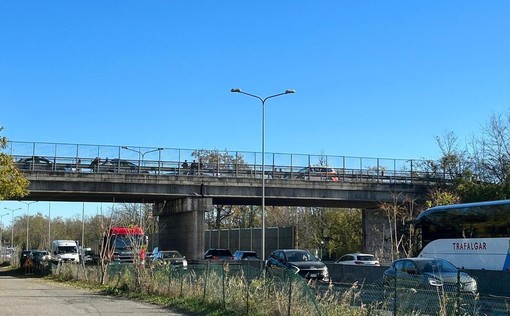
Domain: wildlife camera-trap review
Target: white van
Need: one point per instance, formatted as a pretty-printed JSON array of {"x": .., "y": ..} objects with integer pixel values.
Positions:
[{"x": 65, "y": 250}]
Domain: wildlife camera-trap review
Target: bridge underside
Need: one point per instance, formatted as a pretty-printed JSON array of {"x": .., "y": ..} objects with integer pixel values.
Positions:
[
  {"x": 57, "y": 186},
  {"x": 182, "y": 201}
]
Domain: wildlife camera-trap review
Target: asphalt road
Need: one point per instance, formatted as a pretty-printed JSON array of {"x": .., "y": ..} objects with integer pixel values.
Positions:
[{"x": 23, "y": 295}]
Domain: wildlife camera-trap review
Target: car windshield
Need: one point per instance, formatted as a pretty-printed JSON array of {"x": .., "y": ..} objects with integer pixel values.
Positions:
[
  {"x": 366, "y": 258},
  {"x": 436, "y": 266},
  {"x": 299, "y": 255},
  {"x": 67, "y": 249}
]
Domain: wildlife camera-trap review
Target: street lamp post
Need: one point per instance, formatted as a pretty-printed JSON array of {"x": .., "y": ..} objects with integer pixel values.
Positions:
[
  {"x": 49, "y": 225},
  {"x": 141, "y": 155},
  {"x": 2, "y": 230},
  {"x": 263, "y": 103},
  {"x": 12, "y": 223},
  {"x": 28, "y": 218}
]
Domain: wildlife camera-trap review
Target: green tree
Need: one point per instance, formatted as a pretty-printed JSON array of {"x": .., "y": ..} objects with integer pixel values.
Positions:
[
  {"x": 12, "y": 182},
  {"x": 343, "y": 231}
]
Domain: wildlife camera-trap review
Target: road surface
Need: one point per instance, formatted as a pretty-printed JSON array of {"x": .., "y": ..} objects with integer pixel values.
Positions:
[{"x": 20, "y": 295}]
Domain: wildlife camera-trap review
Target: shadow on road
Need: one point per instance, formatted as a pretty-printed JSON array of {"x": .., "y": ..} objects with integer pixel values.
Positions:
[{"x": 7, "y": 271}]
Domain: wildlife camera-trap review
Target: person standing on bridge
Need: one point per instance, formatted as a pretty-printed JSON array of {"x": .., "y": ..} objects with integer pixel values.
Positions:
[
  {"x": 95, "y": 163},
  {"x": 194, "y": 167},
  {"x": 185, "y": 167}
]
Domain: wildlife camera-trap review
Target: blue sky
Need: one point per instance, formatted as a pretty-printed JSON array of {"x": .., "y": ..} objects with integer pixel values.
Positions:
[{"x": 372, "y": 78}]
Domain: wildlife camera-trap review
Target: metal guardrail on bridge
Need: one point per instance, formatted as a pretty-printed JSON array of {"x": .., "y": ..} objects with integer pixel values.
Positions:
[{"x": 84, "y": 158}]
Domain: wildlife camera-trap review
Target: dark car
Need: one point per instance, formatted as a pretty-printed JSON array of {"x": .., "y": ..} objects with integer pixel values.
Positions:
[
  {"x": 428, "y": 273},
  {"x": 300, "y": 261},
  {"x": 40, "y": 256},
  {"x": 36, "y": 163},
  {"x": 218, "y": 254},
  {"x": 246, "y": 255},
  {"x": 25, "y": 254},
  {"x": 172, "y": 257}
]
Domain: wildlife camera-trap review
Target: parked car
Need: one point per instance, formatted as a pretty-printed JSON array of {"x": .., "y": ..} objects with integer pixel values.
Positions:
[
  {"x": 25, "y": 254},
  {"x": 218, "y": 254},
  {"x": 40, "y": 256},
  {"x": 358, "y": 259},
  {"x": 172, "y": 257},
  {"x": 246, "y": 255},
  {"x": 301, "y": 261},
  {"x": 428, "y": 273},
  {"x": 314, "y": 174}
]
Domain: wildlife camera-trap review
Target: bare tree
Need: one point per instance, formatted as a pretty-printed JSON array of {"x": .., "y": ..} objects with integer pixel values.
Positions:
[
  {"x": 491, "y": 150},
  {"x": 398, "y": 214}
]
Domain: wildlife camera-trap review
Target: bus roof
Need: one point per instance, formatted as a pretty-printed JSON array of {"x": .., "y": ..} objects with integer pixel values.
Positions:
[{"x": 444, "y": 208}]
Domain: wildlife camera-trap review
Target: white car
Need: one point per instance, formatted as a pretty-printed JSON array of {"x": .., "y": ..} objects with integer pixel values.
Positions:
[{"x": 358, "y": 259}]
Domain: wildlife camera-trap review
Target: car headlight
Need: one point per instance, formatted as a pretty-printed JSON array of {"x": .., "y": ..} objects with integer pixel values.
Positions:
[
  {"x": 185, "y": 263},
  {"x": 470, "y": 286}
]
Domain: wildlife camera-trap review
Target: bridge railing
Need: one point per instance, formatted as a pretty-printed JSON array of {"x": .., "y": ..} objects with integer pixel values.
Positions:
[{"x": 85, "y": 158}]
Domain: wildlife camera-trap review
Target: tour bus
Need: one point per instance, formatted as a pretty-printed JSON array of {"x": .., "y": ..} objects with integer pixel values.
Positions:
[{"x": 470, "y": 235}]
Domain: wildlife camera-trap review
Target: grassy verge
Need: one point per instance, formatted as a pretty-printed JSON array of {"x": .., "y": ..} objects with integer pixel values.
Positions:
[{"x": 230, "y": 290}]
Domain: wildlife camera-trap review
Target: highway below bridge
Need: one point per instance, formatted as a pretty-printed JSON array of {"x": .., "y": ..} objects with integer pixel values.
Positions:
[{"x": 182, "y": 192}]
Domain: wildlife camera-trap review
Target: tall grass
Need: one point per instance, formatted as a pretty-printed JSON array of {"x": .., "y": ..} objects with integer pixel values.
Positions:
[{"x": 226, "y": 289}]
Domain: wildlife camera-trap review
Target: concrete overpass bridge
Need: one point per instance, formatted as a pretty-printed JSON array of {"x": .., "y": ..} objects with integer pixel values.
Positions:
[{"x": 182, "y": 190}]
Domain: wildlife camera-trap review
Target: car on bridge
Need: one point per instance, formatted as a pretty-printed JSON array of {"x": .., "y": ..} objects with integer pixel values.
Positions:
[
  {"x": 115, "y": 165},
  {"x": 37, "y": 163},
  {"x": 314, "y": 173}
]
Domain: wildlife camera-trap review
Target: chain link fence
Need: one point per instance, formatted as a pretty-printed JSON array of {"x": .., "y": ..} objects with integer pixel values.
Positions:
[{"x": 244, "y": 289}]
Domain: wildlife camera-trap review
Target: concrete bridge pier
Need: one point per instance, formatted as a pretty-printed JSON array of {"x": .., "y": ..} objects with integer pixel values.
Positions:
[
  {"x": 182, "y": 225},
  {"x": 376, "y": 234}
]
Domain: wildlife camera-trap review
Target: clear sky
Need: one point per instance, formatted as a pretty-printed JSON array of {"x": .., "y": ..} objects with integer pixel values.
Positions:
[{"x": 372, "y": 78}]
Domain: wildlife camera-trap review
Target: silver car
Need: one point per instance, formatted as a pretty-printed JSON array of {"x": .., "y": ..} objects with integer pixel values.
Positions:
[{"x": 428, "y": 273}]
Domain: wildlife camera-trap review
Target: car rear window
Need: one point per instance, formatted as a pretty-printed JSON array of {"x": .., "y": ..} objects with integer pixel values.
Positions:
[{"x": 222, "y": 253}]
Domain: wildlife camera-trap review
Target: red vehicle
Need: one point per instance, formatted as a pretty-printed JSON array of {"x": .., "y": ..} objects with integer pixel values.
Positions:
[{"x": 125, "y": 245}]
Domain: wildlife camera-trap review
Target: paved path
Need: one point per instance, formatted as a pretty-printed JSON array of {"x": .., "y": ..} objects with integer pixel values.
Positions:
[{"x": 21, "y": 295}]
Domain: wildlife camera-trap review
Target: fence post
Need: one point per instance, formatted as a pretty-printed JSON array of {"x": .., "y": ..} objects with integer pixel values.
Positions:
[
  {"x": 181, "y": 276},
  {"x": 290, "y": 292},
  {"x": 223, "y": 282},
  {"x": 206, "y": 278},
  {"x": 247, "y": 283},
  {"x": 457, "y": 299},
  {"x": 395, "y": 293}
]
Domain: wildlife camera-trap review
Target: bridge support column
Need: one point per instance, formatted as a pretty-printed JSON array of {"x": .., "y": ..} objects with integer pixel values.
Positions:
[
  {"x": 376, "y": 234},
  {"x": 182, "y": 226}
]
